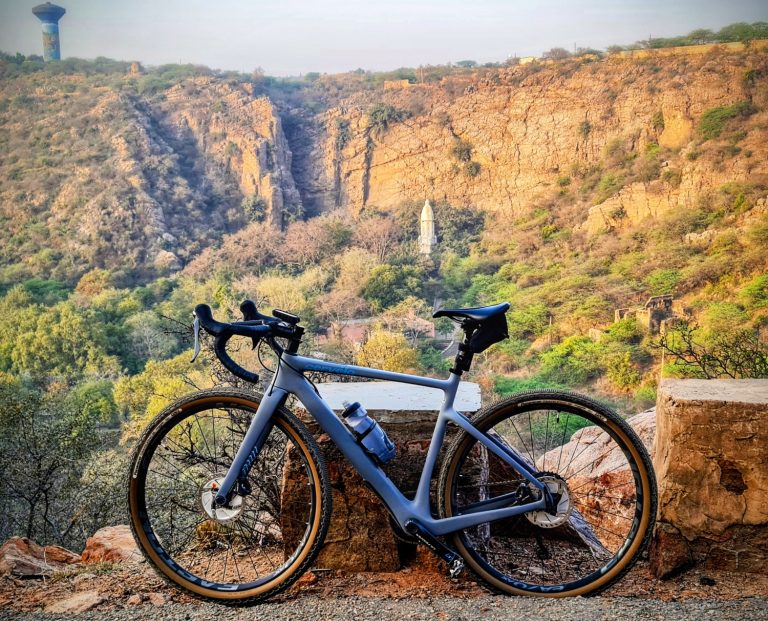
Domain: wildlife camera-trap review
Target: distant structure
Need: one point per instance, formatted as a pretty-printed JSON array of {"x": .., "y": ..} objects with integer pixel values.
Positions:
[
  {"x": 656, "y": 315},
  {"x": 50, "y": 14},
  {"x": 427, "y": 239},
  {"x": 390, "y": 85}
]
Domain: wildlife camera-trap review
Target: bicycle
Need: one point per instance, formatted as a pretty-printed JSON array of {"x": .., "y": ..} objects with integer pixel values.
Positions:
[{"x": 230, "y": 499}]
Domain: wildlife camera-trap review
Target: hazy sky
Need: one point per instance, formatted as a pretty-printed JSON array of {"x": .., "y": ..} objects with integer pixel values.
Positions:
[{"x": 289, "y": 37}]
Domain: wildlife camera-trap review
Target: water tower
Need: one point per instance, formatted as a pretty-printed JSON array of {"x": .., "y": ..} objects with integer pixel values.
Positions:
[{"x": 50, "y": 14}]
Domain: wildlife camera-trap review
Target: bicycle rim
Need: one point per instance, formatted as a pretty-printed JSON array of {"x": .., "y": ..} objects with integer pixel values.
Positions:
[
  {"x": 247, "y": 551},
  {"x": 598, "y": 468}
]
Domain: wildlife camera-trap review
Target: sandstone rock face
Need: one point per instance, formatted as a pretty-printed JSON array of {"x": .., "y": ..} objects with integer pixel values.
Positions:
[
  {"x": 242, "y": 133},
  {"x": 24, "y": 558},
  {"x": 711, "y": 460},
  {"x": 113, "y": 544},
  {"x": 527, "y": 129},
  {"x": 81, "y": 602}
]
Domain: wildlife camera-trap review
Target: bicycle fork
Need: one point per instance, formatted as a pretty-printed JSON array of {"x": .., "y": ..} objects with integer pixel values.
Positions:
[{"x": 249, "y": 449}]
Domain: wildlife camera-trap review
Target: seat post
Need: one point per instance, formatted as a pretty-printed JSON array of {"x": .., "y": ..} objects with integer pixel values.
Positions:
[{"x": 464, "y": 356}]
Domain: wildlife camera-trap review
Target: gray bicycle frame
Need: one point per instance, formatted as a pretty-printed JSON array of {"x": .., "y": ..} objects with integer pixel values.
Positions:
[{"x": 288, "y": 379}]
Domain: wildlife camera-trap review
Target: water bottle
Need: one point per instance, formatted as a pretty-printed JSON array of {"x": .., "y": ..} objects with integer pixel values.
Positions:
[{"x": 368, "y": 432}]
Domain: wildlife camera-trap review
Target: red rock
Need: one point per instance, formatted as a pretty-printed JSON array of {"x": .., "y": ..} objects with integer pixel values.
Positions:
[
  {"x": 134, "y": 600},
  {"x": 113, "y": 544},
  {"x": 21, "y": 557},
  {"x": 670, "y": 553},
  {"x": 156, "y": 599}
]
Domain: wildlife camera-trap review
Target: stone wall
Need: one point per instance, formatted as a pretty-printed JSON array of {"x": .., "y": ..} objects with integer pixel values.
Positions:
[
  {"x": 711, "y": 460},
  {"x": 361, "y": 537}
]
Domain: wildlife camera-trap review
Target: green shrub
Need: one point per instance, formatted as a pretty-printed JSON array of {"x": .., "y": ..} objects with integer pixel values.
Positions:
[
  {"x": 657, "y": 121},
  {"x": 574, "y": 361},
  {"x": 255, "y": 208},
  {"x": 609, "y": 184},
  {"x": 472, "y": 169},
  {"x": 713, "y": 120},
  {"x": 662, "y": 281},
  {"x": 585, "y": 128},
  {"x": 381, "y": 116},
  {"x": 755, "y": 293},
  {"x": 462, "y": 150},
  {"x": 622, "y": 372},
  {"x": 645, "y": 397},
  {"x": 506, "y": 386}
]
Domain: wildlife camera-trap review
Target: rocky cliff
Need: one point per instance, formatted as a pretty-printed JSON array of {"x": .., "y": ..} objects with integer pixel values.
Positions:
[
  {"x": 506, "y": 139},
  {"x": 121, "y": 172},
  {"x": 98, "y": 173}
]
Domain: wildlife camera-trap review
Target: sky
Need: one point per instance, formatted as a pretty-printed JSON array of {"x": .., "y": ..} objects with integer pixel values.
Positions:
[{"x": 292, "y": 37}]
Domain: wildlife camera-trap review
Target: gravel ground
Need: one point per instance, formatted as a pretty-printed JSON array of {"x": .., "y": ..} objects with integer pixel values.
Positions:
[{"x": 439, "y": 608}]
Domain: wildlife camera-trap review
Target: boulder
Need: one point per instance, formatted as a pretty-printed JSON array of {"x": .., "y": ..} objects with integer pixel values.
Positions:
[
  {"x": 711, "y": 460},
  {"x": 112, "y": 544},
  {"x": 24, "y": 558},
  {"x": 592, "y": 467},
  {"x": 80, "y": 602}
]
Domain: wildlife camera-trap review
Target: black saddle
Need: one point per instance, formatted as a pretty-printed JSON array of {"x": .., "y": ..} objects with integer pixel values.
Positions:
[{"x": 478, "y": 313}]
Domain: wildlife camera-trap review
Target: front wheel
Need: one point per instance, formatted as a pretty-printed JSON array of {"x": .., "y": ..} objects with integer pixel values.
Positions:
[
  {"x": 598, "y": 472},
  {"x": 273, "y": 527}
]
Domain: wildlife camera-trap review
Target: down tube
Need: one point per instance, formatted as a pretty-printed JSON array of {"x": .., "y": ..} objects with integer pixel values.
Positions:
[{"x": 398, "y": 504}]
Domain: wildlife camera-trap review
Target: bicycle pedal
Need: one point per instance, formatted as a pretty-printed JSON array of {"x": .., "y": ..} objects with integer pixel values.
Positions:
[{"x": 455, "y": 568}]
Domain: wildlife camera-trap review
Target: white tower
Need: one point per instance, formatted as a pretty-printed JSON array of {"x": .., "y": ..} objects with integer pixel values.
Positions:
[{"x": 427, "y": 239}]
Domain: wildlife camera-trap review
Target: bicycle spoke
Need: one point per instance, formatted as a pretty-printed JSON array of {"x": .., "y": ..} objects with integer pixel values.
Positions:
[{"x": 534, "y": 548}]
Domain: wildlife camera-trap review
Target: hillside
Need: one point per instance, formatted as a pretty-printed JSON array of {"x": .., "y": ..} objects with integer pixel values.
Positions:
[
  {"x": 571, "y": 188},
  {"x": 101, "y": 171},
  {"x": 502, "y": 139}
]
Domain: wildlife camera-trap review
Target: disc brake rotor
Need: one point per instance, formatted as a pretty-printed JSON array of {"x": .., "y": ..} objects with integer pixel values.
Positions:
[
  {"x": 557, "y": 486},
  {"x": 208, "y": 502}
]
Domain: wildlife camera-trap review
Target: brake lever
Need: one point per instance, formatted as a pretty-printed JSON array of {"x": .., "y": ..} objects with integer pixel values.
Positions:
[{"x": 196, "y": 330}]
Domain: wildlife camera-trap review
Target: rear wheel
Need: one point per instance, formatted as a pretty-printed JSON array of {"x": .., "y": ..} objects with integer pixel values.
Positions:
[
  {"x": 267, "y": 536},
  {"x": 596, "y": 468}
]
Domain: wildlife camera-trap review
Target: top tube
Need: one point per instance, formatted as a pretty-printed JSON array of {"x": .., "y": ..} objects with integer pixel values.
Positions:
[{"x": 302, "y": 363}]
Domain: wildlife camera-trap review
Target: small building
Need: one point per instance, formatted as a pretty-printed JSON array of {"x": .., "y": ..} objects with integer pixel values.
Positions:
[
  {"x": 390, "y": 85},
  {"x": 527, "y": 60},
  {"x": 654, "y": 315}
]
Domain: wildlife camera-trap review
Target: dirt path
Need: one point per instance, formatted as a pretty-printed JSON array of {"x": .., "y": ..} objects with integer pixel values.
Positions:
[{"x": 419, "y": 591}]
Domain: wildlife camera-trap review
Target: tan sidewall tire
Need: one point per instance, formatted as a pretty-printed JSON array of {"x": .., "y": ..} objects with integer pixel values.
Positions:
[
  {"x": 293, "y": 428},
  {"x": 486, "y": 419}
]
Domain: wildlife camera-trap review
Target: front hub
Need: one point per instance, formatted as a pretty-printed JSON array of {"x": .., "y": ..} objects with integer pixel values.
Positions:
[{"x": 207, "y": 496}]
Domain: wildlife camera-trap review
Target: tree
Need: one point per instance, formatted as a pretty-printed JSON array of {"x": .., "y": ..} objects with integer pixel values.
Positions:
[
  {"x": 557, "y": 53},
  {"x": 378, "y": 235},
  {"x": 255, "y": 208},
  {"x": 574, "y": 361},
  {"x": 701, "y": 35},
  {"x": 46, "y": 440},
  {"x": 64, "y": 343},
  {"x": 466, "y": 64},
  {"x": 458, "y": 227},
  {"x": 388, "y": 351},
  {"x": 390, "y": 284},
  {"x": 411, "y": 318},
  {"x": 736, "y": 354},
  {"x": 338, "y": 307},
  {"x": 354, "y": 269}
]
